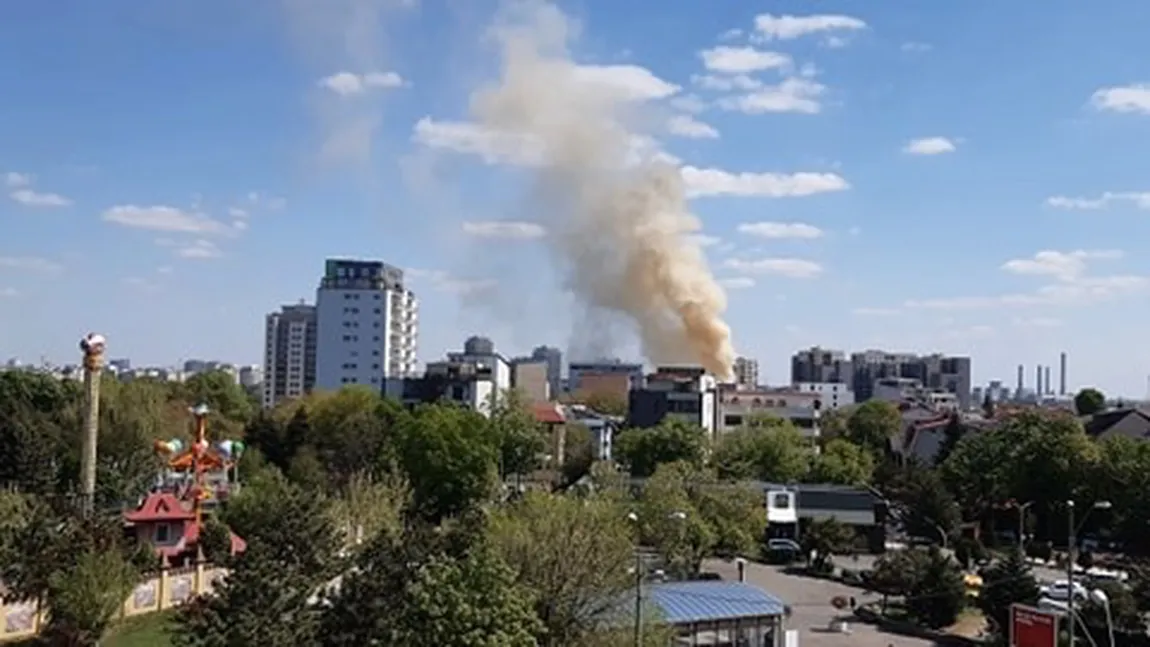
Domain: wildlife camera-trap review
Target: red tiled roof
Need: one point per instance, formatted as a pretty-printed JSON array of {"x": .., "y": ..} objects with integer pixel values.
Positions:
[
  {"x": 159, "y": 506},
  {"x": 192, "y": 535},
  {"x": 548, "y": 413}
]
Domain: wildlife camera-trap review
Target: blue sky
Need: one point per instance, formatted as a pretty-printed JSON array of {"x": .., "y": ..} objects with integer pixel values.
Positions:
[{"x": 974, "y": 172}]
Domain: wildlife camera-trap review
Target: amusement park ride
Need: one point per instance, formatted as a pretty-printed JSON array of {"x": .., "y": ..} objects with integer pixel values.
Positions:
[{"x": 196, "y": 477}]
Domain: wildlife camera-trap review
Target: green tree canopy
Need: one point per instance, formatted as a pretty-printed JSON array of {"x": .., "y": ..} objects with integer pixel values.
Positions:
[
  {"x": 1089, "y": 401},
  {"x": 873, "y": 424},
  {"x": 774, "y": 453},
  {"x": 842, "y": 462},
  {"x": 672, "y": 441}
]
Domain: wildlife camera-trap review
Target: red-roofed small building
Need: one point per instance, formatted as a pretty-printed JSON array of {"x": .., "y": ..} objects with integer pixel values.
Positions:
[{"x": 169, "y": 525}]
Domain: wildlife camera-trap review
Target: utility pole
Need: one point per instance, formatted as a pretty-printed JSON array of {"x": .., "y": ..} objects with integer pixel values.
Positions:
[
  {"x": 1071, "y": 544},
  {"x": 92, "y": 346}
]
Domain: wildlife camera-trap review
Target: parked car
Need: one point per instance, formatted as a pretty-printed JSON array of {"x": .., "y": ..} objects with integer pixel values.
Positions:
[{"x": 1061, "y": 590}]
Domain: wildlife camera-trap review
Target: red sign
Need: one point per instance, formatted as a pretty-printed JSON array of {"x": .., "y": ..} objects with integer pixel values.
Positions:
[{"x": 1030, "y": 627}]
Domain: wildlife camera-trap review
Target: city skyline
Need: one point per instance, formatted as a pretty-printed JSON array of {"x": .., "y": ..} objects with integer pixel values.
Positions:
[{"x": 857, "y": 183}]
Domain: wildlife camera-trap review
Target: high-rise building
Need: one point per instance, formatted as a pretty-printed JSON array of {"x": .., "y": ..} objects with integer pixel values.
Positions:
[
  {"x": 1062, "y": 374},
  {"x": 529, "y": 378},
  {"x": 746, "y": 372},
  {"x": 367, "y": 325},
  {"x": 289, "y": 353},
  {"x": 820, "y": 365},
  {"x": 554, "y": 359}
]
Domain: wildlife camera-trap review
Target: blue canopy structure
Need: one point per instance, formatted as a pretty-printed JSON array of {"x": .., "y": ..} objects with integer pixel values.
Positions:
[{"x": 684, "y": 603}]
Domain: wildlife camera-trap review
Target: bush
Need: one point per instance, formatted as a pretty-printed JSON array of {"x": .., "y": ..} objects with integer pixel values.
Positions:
[
  {"x": 851, "y": 578},
  {"x": 1086, "y": 559}
]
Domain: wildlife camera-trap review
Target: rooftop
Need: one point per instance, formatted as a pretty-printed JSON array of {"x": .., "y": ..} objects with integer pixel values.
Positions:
[{"x": 695, "y": 602}]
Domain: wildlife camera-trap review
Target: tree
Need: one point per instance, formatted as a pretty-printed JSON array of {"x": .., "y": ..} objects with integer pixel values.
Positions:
[
  {"x": 953, "y": 433},
  {"x": 778, "y": 453},
  {"x": 521, "y": 442},
  {"x": 937, "y": 596},
  {"x": 220, "y": 391},
  {"x": 606, "y": 403},
  {"x": 1123, "y": 609},
  {"x": 30, "y": 444},
  {"x": 842, "y": 462},
  {"x": 1089, "y": 401},
  {"x": 670, "y": 523},
  {"x": 823, "y": 538},
  {"x": 573, "y": 554},
  {"x": 873, "y": 425},
  {"x": 671, "y": 441},
  {"x": 733, "y": 511},
  {"x": 1007, "y": 582},
  {"x": 450, "y": 457},
  {"x": 417, "y": 586},
  {"x": 351, "y": 431},
  {"x": 833, "y": 423},
  {"x": 84, "y": 599},
  {"x": 925, "y": 505},
  {"x": 366, "y": 507},
  {"x": 292, "y": 548}
]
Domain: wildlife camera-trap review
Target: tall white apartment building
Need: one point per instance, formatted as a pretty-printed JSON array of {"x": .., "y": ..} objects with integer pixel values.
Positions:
[
  {"x": 746, "y": 372},
  {"x": 367, "y": 325},
  {"x": 289, "y": 353}
]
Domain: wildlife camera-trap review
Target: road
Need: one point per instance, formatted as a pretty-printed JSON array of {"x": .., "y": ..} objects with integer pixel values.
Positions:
[{"x": 810, "y": 601}]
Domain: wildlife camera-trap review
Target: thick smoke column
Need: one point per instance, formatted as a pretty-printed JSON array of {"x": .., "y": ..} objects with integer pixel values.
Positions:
[{"x": 618, "y": 219}]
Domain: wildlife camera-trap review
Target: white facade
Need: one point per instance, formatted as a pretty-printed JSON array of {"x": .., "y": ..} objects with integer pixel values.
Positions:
[
  {"x": 832, "y": 395},
  {"x": 746, "y": 372},
  {"x": 367, "y": 325},
  {"x": 290, "y": 339},
  {"x": 736, "y": 407}
]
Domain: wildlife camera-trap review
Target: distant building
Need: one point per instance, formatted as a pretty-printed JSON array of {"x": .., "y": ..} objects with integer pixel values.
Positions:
[
  {"x": 553, "y": 357},
  {"x": 366, "y": 324},
  {"x": 671, "y": 392},
  {"x": 289, "y": 353},
  {"x": 832, "y": 395},
  {"x": 475, "y": 380},
  {"x": 746, "y": 372},
  {"x": 529, "y": 378},
  {"x": 576, "y": 371},
  {"x": 610, "y": 386},
  {"x": 251, "y": 377},
  {"x": 800, "y": 408},
  {"x": 936, "y": 373}
]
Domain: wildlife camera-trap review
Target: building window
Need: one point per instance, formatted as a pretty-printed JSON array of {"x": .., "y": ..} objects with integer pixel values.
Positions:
[{"x": 163, "y": 533}]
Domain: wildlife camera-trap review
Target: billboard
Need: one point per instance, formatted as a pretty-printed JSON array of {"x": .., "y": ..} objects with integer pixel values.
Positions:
[{"x": 1031, "y": 627}]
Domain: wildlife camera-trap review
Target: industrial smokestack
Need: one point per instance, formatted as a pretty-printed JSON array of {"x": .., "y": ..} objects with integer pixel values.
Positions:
[
  {"x": 1046, "y": 381},
  {"x": 1038, "y": 380},
  {"x": 1018, "y": 389},
  {"x": 1062, "y": 374},
  {"x": 93, "y": 348}
]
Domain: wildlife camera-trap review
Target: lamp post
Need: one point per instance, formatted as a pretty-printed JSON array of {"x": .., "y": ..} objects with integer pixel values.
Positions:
[
  {"x": 1072, "y": 548},
  {"x": 634, "y": 518},
  {"x": 1099, "y": 597},
  {"x": 1022, "y": 525}
]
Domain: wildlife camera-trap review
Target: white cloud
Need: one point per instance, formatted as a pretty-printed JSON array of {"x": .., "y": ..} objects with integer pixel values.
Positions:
[
  {"x": 14, "y": 180},
  {"x": 788, "y": 27},
  {"x": 30, "y": 198},
  {"x": 737, "y": 283},
  {"x": 30, "y": 264},
  {"x": 689, "y": 103},
  {"x": 630, "y": 82},
  {"x": 726, "y": 83},
  {"x": 1064, "y": 266},
  {"x": 1036, "y": 322},
  {"x": 8, "y": 293},
  {"x": 445, "y": 282},
  {"x": 929, "y": 146},
  {"x": 792, "y": 95},
  {"x": 163, "y": 218},
  {"x": 795, "y": 268},
  {"x": 199, "y": 250},
  {"x": 715, "y": 182},
  {"x": 736, "y": 60},
  {"x": 916, "y": 47},
  {"x": 691, "y": 128},
  {"x": 236, "y": 212},
  {"x": 348, "y": 84},
  {"x": 1140, "y": 199},
  {"x": 1079, "y": 292},
  {"x": 504, "y": 229},
  {"x": 776, "y": 230},
  {"x": 1123, "y": 98},
  {"x": 876, "y": 312}
]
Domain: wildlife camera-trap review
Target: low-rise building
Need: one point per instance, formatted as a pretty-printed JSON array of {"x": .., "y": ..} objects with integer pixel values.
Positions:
[
  {"x": 832, "y": 395},
  {"x": 685, "y": 393},
  {"x": 801, "y": 408}
]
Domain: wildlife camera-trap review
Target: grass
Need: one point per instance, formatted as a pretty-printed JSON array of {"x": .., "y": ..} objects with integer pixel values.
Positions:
[{"x": 147, "y": 630}]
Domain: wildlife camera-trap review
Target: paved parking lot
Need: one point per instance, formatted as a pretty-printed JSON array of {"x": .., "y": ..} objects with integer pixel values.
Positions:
[
  {"x": 1043, "y": 574},
  {"x": 810, "y": 601}
]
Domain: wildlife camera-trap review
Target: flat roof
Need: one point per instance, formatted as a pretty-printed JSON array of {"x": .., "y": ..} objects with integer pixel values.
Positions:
[{"x": 709, "y": 601}]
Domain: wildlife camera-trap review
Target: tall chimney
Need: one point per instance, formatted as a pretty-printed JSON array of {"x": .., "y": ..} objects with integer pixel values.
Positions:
[
  {"x": 1018, "y": 389},
  {"x": 1046, "y": 381},
  {"x": 1038, "y": 380},
  {"x": 1062, "y": 374}
]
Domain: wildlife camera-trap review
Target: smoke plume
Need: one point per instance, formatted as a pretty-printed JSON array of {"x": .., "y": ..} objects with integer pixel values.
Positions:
[{"x": 617, "y": 216}]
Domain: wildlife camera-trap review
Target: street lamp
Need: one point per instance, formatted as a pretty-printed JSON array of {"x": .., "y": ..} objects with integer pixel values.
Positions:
[
  {"x": 1072, "y": 549},
  {"x": 1099, "y": 597},
  {"x": 634, "y": 518},
  {"x": 1022, "y": 525}
]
